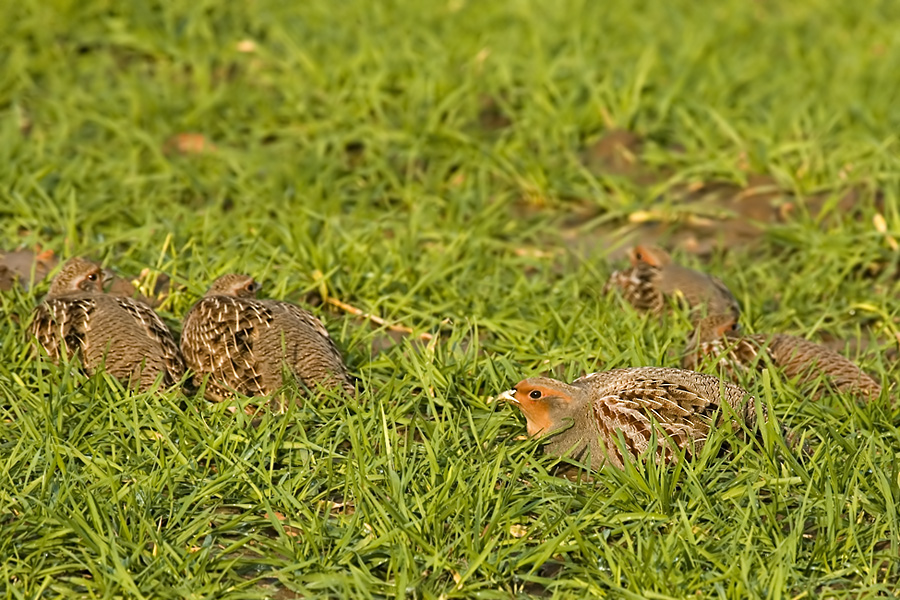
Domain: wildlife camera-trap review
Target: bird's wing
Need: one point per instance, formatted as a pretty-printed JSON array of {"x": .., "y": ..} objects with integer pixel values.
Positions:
[
  {"x": 731, "y": 355},
  {"x": 219, "y": 337},
  {"x": 638, "y": 286},
  {"x": 157, "y": 331},
  {"x": 61, "y": 325},
  {"x": 309, "y": 319},
  {"x": 637, "y": 412}
]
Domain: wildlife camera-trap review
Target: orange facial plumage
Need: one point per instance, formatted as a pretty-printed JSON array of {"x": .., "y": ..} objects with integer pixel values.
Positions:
[
  {"x": 649, "y": 255},
  {"x": 533, "y": 400}
]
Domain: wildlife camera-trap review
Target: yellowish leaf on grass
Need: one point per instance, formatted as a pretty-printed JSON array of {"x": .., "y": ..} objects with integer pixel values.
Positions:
[
  {"x": 518, "y": 531},
  {"x": 246, "y": 46},
  {"x": 881, "y": 227},
  {"x": 188, "y": 143}
]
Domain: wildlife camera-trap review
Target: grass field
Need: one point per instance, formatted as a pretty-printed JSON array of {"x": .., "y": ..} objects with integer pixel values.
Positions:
[{"x": 471, "y": 171}]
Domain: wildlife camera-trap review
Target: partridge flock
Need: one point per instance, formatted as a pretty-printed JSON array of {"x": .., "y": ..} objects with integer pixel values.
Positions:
[
  {"x": 234, "y": 343},
  {"x": 231, "y": 341},
  {"x": 601, "y": 417}
]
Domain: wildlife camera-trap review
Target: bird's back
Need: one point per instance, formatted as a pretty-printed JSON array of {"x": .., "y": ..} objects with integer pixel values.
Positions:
[
  {"x": 134, "y": 341},
  {"x": 698, "y": 289},
  {"x": 299, "y": 339},
  {"x": 799, "y": 357}
]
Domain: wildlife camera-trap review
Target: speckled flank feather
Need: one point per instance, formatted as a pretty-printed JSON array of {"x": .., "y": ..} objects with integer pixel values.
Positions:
[
  {"x": 160, "y": 346},
  {"x": 796, "y": 357},
  {"x": 218, "y": 339},
  {"x": 625, "y": 408},
  {"x": 681, "y": 404},
  {"x": 126, "y": 337},
  {"x": 638, "y": 287},
  {"x": 653, "y": 278},
  {"x": 244, "y": 344}
]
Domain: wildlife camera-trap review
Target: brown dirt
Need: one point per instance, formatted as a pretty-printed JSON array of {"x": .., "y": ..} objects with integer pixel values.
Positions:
[
  {"x": 16, "y": 266},
  {"x": 709, "y": 216}
]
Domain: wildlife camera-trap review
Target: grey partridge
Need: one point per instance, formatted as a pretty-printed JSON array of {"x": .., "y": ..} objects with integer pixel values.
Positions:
[
  {"x": 653, "y": 278},
  {"x": 244, "y": 344},
  {"x": 600, "y": 414},
  {"x": 718, "y": 337},
  {"x": 125, "y": 336}
]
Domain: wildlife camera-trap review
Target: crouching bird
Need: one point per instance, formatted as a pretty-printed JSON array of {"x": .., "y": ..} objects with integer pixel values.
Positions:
[
  {"x": 718, "y": 337},
  {"x": 123, "y": 335},
  {"x": 245, "y": 345},
  {"x": 654, "y": 276},
  {"x": 601, "y": 416}
]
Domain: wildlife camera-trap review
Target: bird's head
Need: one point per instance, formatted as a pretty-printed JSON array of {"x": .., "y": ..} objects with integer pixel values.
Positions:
[
  {"x": 653, "y": 256},
  {"x": 78, "y": 276},
  {"x": 546, "y": 403},
  {"x": 234, "y": 284}
]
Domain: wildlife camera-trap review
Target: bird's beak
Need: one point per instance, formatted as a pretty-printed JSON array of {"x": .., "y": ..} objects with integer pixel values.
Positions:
[
  {"x": 508, "y": 396},
  {"x": 108, "y": 275}
]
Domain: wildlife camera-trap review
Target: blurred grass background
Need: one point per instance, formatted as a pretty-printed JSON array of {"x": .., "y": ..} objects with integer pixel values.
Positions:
[{"x": 473, "y": 171}]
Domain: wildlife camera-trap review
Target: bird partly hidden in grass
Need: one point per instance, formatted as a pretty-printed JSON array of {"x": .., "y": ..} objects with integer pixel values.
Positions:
[
  {"x": 245, "y": 345},
  {"x": 121, "y": 334},
  {"x": 718, "y": 337},
  {"x": 603, "y": 416},
  {"x": 654, "y": 277}
]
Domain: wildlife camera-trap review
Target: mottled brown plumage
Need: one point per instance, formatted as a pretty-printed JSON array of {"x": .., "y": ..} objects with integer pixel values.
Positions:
[
  {"x": 718, "y": 337},
  {"x": 125, "y": 336},
  {"x": 653, "y": 278},
  {"x": 586, "y": 418},
  {"x": 244, "y": 344}
]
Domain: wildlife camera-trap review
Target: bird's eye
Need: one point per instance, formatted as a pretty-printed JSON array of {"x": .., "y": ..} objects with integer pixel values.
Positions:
[
  {"x": 92, "y": 277},
  {"x": 638, "y": 256},
  {"x": 734, "y": 327},
  {"x": 535, "y": 394}
]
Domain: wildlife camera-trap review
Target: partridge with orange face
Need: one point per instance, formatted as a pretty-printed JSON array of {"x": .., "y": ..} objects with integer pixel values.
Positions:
[
  {"x": 718, "y": 337},
  {"x": 124, "y": 335},
  {"x": 653, "y": 278},
  {"x": 599, "y": 415},
  {"x": 244, "y": 345}
]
